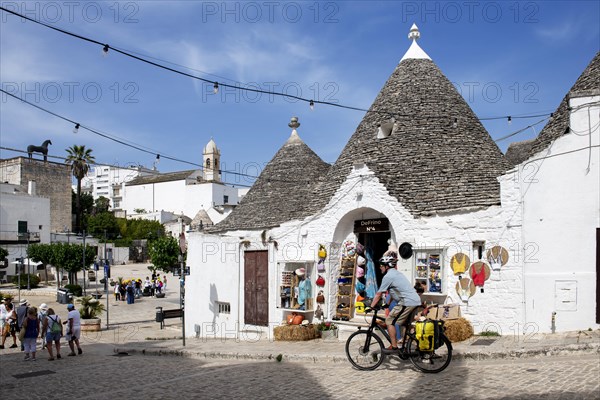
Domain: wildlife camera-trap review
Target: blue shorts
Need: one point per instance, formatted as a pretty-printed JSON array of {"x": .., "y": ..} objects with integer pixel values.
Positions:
[{"x": 52, "y": 337}]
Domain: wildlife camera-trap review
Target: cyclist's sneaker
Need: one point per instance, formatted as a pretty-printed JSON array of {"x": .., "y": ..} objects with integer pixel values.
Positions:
[{"x": 391, "y": 350}]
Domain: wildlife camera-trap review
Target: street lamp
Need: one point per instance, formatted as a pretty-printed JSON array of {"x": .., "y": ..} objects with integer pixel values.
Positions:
[
  {"x": 182, "y": 248},
  {"x": 28, "y": 272}
]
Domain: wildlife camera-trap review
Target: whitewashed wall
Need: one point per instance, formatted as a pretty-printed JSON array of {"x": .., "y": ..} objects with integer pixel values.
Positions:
[
  {"x": 168, "y": 196},
  {"x": 548, "y": 219},
  {"x": 219, "y": 270},
  {"x": 177, "y": 197},
  {"x": 561, "y": 212}
]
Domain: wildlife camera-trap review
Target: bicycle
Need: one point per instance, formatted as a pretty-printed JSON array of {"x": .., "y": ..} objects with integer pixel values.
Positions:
[{"x": 365, "y": 349}]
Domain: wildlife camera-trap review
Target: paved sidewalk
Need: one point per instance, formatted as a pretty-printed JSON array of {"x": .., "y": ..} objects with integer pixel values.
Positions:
[
  {"x": 133, "y": 330},
  {"x": 475, "y": 348}
]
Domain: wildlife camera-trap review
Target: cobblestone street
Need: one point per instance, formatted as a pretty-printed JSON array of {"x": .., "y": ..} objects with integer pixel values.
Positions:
[{"x": 101, "y": 374}]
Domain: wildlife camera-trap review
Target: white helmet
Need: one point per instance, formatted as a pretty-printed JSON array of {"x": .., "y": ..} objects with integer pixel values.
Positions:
[{"x": 389, "y": 259}]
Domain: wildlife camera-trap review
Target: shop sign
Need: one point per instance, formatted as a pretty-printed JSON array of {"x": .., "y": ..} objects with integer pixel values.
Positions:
[{"x": 372, "y": 225}]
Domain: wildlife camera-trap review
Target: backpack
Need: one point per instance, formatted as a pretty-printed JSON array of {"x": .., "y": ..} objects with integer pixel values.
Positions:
[
  {"x": 429, "y": 334},
  {"x": 55, "y": 328}
]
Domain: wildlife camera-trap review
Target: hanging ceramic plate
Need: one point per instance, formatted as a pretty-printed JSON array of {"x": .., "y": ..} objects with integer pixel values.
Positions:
[
  {"x": 465, "y": 288},
  {"x": 497, "y": 256},
  {"x": 460, "y": 263}
]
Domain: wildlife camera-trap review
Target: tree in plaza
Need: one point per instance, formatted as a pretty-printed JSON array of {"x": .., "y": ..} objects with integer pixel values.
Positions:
[
  {"x": 164, "y": 253},
  {"x": 101, "y": 223},
  {"x": 67, "y": 256},
  {"x": 3, "y": 253},
  {"x": 79, "y": 158},
  {"x": 102, "y": 204}
]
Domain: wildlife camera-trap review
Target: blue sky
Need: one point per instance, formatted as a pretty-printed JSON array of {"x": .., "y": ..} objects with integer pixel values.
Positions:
[{"x": 506, "y": 58}]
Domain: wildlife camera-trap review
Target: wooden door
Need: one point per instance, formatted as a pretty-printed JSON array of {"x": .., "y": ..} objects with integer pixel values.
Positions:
[{"x": 256, "y": 288}]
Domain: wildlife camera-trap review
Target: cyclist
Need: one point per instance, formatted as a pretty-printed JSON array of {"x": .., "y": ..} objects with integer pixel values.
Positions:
[{"x": 401, "y": 291}]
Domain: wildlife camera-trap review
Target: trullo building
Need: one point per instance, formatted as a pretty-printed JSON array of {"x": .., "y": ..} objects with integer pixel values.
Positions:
[{"x": 515, "y": 247}]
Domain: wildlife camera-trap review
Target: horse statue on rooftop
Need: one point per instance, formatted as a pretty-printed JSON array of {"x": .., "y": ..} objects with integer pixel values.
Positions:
[{"x": 43, "y": 149}]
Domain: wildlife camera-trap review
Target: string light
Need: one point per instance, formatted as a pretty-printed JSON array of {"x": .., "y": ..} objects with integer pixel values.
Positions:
[
  {"x": 76, "y": 128},
  {"x": 105, "y": 50},
  {"x": 509, "y": 120},
  {"x": 312, "y": 105},
  {"x": 455, "y": 123},
  {"x": 157, "y": 157},
  {"x": 216, "y": 85},
  {"x": 216, "y": 88}
]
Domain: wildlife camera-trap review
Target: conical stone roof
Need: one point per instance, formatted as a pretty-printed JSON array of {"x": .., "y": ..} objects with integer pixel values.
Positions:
[
  {"x": 282, "y": 191},
  {"x": 588, "y": 83},
  {"x": 439, "y": 158}
]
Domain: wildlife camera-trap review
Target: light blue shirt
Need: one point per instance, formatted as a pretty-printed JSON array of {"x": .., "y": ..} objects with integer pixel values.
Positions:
[
  {"x": 303, "y": 291},
  {"x": 400, "y": 288}
]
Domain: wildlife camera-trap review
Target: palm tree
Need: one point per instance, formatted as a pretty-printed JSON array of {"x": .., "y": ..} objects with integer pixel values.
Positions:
[{"x": 79, "y": 159}]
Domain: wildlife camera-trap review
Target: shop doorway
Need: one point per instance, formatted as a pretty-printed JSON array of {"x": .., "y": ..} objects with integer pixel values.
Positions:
[
  {"x": 376, "y": 243},
  {"x": 256, "y": 288}
]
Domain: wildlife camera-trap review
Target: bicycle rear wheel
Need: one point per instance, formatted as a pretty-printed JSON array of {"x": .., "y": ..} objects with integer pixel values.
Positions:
[
  {"x": 430, "y": 361},
  {"x": 364, "y": 350}
]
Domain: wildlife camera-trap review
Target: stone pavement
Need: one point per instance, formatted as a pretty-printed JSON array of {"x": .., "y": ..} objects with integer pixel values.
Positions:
[{"x": 132, "y": 329}]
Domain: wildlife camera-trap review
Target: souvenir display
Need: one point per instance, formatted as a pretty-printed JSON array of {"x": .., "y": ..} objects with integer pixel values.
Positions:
[
  {"x": 428, "y": 271},
  {"x": 465, "y": 288},
  {"x": 479, "y": 273},
  {"x": 459, "y": 264},
  {"x": 322, "y": 252},
  {"x": 497, "y": 256}
]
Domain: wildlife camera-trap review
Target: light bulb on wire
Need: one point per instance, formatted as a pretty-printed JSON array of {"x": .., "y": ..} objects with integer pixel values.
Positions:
[
  {"x": 105, "y": 50},
  {"x": 216, "y": 88},
  {"x": 455, "y": 123},
  {"x": 509, "y": 120},
  {"x": 76, "y": 129},
  {"x": 312, "y": 105}
]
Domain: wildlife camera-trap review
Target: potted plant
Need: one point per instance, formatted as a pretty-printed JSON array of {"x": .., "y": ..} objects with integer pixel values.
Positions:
[
  {"x": 328, "y": 330},
  {"x": 90, "y": 309}
]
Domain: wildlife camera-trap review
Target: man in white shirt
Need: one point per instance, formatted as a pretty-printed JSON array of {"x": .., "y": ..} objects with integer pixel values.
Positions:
[{"x": 73, "y": 323}]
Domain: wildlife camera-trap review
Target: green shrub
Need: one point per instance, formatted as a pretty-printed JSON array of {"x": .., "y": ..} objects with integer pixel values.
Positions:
[
  {"x": 75, "y": 289},
  {"x": 34, "y": 280},
  {"x": 489, "y": 333},
  {"x": 6, "y": 296}
]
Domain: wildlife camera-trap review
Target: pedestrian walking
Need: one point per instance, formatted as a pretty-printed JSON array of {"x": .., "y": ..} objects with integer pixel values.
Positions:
[
  {"x": 122, "y": 291},
  {"x": 117, "y": 292},
  {"x": 10, "y": 326},
  {"x": 130, "y": 293},
  {"x": 73, "y": 323},
  {"x": 31, "y": 325},
  {"x": 164, "y": 282},
  {"x": 52, "y": 330},
  {"x": 21, "y": 311},
  {"x": 42, "y": 310}
]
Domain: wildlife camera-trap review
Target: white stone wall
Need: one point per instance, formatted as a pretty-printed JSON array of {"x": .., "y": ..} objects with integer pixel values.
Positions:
[
  {"x": 547, "y": 221},
  {"x": 168, "y": 196},
  {"x": 560, "y": 188},
  {"x": 22, "y": 207},
  {"x": 177, "y": 197},
  {"x": 222, "y": 271}
]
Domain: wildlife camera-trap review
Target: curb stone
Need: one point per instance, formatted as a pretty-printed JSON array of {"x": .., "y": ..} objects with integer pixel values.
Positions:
[{"x": 588, "y": 348}]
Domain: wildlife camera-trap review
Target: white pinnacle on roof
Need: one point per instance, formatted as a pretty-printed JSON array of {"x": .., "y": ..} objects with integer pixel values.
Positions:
[
  {"x": 415, "y": 51},
  {"x": 294, "y": 124}
]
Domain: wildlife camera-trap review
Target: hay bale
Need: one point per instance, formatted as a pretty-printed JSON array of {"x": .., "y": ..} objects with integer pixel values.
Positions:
[
  {"x": 295, "y": 332},
  {"x": 458, "y": 329}
]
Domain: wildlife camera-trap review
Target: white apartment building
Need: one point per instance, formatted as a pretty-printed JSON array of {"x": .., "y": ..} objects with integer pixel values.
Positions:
[{"x": 109, "y": 181}]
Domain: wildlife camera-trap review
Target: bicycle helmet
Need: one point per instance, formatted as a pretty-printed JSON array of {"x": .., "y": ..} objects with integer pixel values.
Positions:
[{"x": 389, "y": 259}]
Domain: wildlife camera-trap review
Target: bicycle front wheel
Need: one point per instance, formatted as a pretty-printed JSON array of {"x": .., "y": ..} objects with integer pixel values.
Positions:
[
  {"x": 364, "y": 350},
  {"x": 430, "y": 361}
]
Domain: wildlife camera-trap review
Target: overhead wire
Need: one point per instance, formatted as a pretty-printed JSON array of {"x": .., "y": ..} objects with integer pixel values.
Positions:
[
  {"x": 106, "y": 47},
  {"x": 137, "y": 147}
]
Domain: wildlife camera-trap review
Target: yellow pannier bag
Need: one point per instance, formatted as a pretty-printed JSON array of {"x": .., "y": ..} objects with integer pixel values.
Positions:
[{"x": 429, "y": 333}]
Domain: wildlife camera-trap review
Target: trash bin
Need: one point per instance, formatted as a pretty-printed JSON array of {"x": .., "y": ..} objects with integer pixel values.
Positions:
[
  {"x": 63, "y": 296},
  {"x": 159, "y": 314}
]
